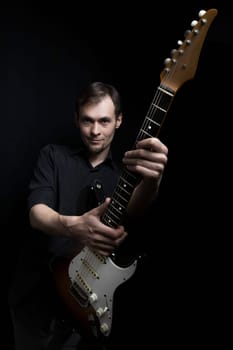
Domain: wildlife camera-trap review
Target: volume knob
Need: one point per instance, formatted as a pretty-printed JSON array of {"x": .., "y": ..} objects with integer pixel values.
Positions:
[{"x": 93, "y": 297}]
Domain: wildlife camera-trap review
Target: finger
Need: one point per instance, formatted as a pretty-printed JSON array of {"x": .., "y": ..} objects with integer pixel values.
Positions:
[
  {"x": 145, "y": 173},
  {"x": 107, "y": 235},
  {"x": 145, "y": 155},
  {"x": 153, "y": 144},
  {"x": 104, "y": 249},
  {"x": 138, "y": 164},
  {"x": 102, "y": 207}
]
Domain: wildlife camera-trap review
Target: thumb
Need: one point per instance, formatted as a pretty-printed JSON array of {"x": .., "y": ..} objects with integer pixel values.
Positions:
[{"x": 102, "y": 207}]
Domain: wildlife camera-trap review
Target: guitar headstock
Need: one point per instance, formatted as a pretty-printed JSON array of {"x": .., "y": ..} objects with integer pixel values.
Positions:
[{"x": 182, "y": 65}]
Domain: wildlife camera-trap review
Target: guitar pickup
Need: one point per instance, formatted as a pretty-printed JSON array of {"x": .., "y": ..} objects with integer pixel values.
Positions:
[{"x": 79, "y": 294}]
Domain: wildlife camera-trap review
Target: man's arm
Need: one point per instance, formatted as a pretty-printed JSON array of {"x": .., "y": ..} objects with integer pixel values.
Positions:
[
  {"x": 47, "y": 220},
  {"x": 86, "y": 229}
]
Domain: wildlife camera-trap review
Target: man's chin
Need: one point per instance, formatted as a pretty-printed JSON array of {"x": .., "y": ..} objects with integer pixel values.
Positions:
[{"x": 95, "y": 149}]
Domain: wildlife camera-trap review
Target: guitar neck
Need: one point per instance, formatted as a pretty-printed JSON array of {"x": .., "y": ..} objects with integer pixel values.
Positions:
[
  {"x": 180, "y": 68},
  {"x": 156, "y": 113},
  {"x": 127, "y": 182}
]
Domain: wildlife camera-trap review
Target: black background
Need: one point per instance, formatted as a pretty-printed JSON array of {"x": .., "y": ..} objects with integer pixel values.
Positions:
[{"x": 47, "y": 54}]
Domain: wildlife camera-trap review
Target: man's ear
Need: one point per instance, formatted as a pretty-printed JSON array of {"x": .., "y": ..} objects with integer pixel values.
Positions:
[
  {"x": 76, "y": 119},
  {"x": 119, "y": 120}
]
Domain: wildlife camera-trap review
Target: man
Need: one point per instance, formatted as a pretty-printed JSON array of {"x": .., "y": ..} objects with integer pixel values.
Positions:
[{"x": 66, "y": 205}]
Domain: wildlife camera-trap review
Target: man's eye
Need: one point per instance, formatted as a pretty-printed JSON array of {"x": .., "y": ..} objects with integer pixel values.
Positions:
[{"x": 86, "y": 121}]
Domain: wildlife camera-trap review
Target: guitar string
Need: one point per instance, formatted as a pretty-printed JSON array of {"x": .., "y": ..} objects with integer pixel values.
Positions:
[
  {"x": 90, "y": 256},
  {"x": 90, "y": 261},
  {"x": 148, "y": 123},
  {"x": 150, "y": 118},
  {"x": 153, "y": 118}
]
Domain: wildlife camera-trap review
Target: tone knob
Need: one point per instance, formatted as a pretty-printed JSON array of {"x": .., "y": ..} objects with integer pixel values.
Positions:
[
  {"x": 104, "y": 328},
  {"x": 100, "y": 311}
]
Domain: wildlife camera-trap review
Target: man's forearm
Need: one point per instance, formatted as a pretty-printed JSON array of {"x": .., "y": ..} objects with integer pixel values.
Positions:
[
  {"x": 143, "y": 195},
  {"x": 47, "y": 220}
]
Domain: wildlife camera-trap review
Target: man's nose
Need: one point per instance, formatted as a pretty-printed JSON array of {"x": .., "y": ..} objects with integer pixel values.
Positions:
[{"x": 95, "y": 129}]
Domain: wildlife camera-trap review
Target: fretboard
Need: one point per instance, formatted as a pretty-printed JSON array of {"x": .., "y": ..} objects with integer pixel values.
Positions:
[{"x": 128, "y": 180}]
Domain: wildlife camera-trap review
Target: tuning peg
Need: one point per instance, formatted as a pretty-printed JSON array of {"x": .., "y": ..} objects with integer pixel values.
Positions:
[
  {"x": 180, "y": 43},
  {"x": 173, "y": 52},
  {"x": 187, "y": 32},
  {"x": 194, "y": 23},
  {"x": 167, "y": 62},
  {"x": 201, "y": 13}
]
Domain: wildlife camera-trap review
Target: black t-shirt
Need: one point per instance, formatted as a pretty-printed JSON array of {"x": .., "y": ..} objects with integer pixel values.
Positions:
[
  {"x": 63, "y": 178},
  {"x": 65, "y": 181}
]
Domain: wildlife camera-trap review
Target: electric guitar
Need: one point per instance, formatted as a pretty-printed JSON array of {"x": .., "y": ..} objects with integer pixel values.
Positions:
[{"x": 88, "y": 281}]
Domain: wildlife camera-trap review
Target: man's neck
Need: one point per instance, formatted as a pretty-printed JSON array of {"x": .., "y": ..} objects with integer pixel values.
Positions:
[{"x": 98, "y": 158}]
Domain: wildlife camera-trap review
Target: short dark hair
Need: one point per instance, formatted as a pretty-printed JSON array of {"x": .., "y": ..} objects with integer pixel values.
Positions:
[{"x": 95, "y": 92}]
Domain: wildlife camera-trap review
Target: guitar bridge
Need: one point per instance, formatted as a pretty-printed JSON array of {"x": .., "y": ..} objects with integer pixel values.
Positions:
[{"x": 79, "y": 294}]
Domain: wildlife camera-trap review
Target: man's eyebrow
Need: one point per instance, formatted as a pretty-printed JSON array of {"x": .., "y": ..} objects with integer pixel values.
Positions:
[
  {"x": 85, "y": 116},
  {"x": 105, "y": 117}
]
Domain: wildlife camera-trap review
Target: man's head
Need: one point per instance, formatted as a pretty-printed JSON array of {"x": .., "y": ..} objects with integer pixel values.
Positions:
[
  {"x": 98, "y": 115},
  {"x": 94, "y": 93}
]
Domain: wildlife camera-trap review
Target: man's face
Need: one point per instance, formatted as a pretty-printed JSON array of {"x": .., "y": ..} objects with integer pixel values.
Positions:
[{"x": 97, "y": 124}]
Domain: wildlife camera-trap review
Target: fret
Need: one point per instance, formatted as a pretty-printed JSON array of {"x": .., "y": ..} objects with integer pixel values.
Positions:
[
  {"x": 157, "y": 106},
  {"x": 124, "y": 189},
  {"x": 120, "y": 198},
  {"x": 120, "y": 208},
  {"x": 165, "y": 98},
  {"x": 156, "y": 114},
  {"x": 130, "y": 176},
  {"x": 112, "y": 214},
  {"x": 164, "y": 90},
  {"x": 146, "y": 134},
  {"x": 117, "y": 210},
  {"x": 125, "y": 183},
  {"x": 153, "y": 121},
  {"x": 109, "y": 221}
]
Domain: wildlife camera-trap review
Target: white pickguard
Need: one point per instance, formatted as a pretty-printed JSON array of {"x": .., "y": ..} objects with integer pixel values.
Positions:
[{"x": 98, "y": 277}]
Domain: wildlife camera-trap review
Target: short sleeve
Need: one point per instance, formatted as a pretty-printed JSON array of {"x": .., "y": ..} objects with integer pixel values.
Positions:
[{"x": 42, "y": 187}]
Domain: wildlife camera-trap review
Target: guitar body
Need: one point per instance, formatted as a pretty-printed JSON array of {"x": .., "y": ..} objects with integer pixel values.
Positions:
[{"x": 87, "y": 284}]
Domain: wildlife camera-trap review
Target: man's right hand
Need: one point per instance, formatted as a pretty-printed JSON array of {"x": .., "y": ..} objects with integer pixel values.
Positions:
[{"x": 90, "y": 231}]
